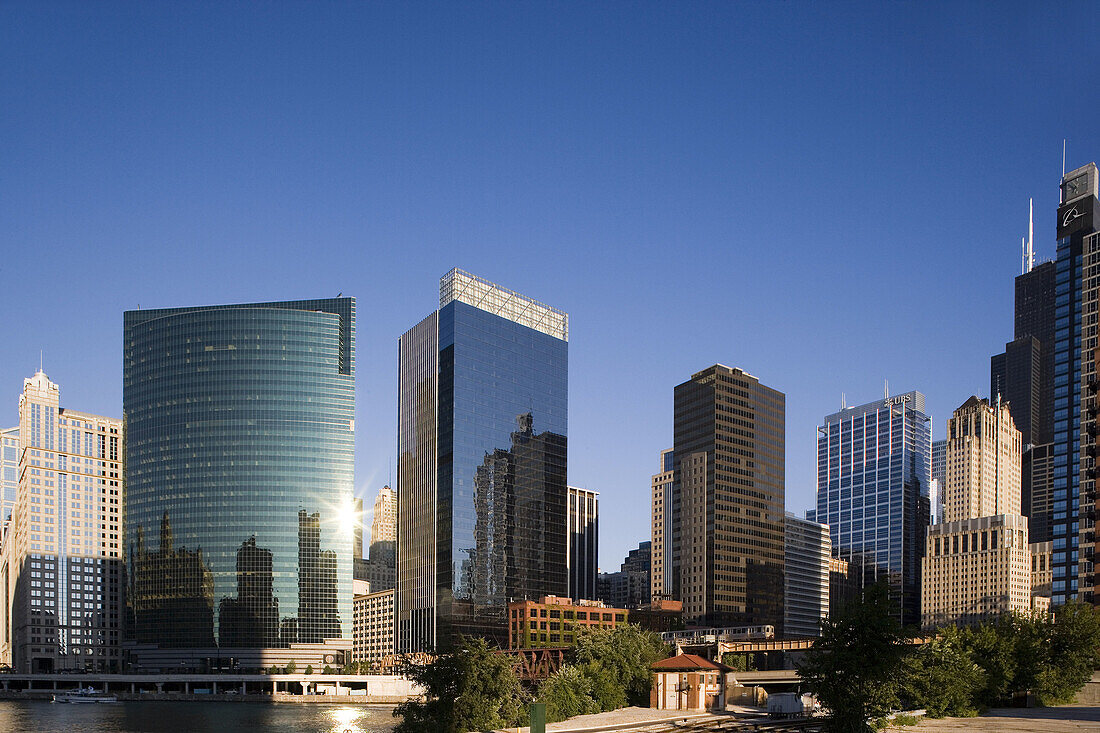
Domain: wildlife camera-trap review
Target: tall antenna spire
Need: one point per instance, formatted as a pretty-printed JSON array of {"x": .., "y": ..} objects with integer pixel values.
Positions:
[
  {"x": 1027, "y": 245},
  {"x": 886, "y": 388},
  {"x": 1063, "y": 157}
]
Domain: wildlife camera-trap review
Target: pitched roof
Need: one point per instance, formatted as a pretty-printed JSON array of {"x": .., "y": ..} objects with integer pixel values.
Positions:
[{"x": 687, "y": 663}]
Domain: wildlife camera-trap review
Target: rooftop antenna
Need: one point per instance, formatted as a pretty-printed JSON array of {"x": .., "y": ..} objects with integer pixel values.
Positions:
[
  {"x": 886, "y": 387},
  {"x": 40, "y": 359},
  {"x": 843, "y": 401},
  {"x": 1063, "y": 157},
  {"x": 1029, "y": 252}
]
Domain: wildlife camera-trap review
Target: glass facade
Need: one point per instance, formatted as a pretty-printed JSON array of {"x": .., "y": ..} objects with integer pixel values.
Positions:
[
  {"x": 874, "y": 470},
  {"x": 239, "y": 469},
  {"x": 481, "y": 464}
]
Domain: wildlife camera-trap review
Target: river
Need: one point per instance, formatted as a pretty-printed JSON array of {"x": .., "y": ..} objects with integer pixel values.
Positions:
[{"x": 192, "y": 717}]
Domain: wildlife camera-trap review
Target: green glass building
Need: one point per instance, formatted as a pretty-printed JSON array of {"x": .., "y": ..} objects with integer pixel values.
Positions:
[{"x": 239, "y": 474}]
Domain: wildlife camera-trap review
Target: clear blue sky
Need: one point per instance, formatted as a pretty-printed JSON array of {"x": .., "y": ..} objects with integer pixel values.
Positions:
[{"x": 823, "y": 194}]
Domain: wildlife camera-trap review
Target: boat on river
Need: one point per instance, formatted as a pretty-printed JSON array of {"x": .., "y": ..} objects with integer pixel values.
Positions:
[{"x": 84, "y": 695}]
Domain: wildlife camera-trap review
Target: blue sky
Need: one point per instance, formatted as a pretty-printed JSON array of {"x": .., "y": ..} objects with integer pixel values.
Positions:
[{"x": 826, "y": 195}]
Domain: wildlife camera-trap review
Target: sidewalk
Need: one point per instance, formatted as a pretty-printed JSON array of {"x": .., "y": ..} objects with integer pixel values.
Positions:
[
  {"x": 622, "y": 719},
  {"x": 1062, "y": 719}
]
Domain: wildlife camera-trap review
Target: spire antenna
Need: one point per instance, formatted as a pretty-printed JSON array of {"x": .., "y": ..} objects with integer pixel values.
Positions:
[{"x": 1063, "y": 157}]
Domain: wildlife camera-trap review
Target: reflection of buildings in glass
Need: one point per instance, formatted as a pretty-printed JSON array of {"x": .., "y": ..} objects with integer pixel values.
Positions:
[
  {"x": 172, "y": 593},
  {"x": 252, "y": 618},
  {"x": 482, "y": 504},
  {"x": 318, "y": 618},
  {"x": 237, "y": 417}
]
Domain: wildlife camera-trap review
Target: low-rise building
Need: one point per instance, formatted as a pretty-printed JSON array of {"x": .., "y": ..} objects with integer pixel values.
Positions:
[
  {"x": 372, "y": 626},
  {"x": 555, "y": 621}
]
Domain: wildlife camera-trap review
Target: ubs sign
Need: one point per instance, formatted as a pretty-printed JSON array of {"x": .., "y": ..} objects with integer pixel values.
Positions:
[{"x": 901, "y": 399}]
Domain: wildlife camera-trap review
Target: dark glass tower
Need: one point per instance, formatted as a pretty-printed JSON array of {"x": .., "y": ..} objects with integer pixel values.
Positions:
[
  {"x": 727, "y": 499},
  {"x": 239, "y": 472},
  {"x": 482, "y": 496},
  {"x": 1073, "y": 461}
]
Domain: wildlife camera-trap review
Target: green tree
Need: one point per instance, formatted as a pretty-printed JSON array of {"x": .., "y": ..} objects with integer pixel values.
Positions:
[
  {"x": 856, "y": 666},
  {"x": 291, "y": 667},
  {"x": 942, "y": 678},
  {"x": 471, "y": 688},
  {"x": 1073, "y": 653},
  {"x": 619, "y": 659},
  {"x": 309, "y": 669},
  {"x": 567, "y": 693}
]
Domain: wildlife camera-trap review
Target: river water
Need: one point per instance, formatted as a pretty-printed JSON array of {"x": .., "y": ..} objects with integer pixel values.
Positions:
[{"x": 192, "y": 717}]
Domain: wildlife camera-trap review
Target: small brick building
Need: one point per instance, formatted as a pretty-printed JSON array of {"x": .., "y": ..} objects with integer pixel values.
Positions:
[{"x": 688, "y": 682}]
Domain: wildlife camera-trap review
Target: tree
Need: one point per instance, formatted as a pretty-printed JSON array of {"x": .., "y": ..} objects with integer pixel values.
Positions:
[
  {"x": 471, "y": 688},
  {"x": 309, "y": 669},
  {"x": 291, "y": 667},
  {"x": 619, "y": 659},
  {"x": 326, "y": 670},
  {"x": 1073, "y": 652},
  {"x": 942, "y": 678},
  {"x": 567, "y": 693},
  {"x": 856, "y": 666}
]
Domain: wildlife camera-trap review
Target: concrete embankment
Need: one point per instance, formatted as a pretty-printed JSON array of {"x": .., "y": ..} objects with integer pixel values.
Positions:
[{"x": 378, "y": 701}]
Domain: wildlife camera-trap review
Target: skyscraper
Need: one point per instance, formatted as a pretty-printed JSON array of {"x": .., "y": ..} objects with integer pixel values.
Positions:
[
  {"x": 584, "y": 542},
  {"x": 482, "y": 497},
  {"x": 873, "y": 477},
  {"x": 240, "y": 454},
  {"x": 9, "y": 472},
  {"x": 61, "y": 565},
  {"x": 977, "y": 562},
  {"x": 661, "y": 528},
  {"x": 1076, "y": 388},
  {"x": 806, "y": 577},
  {"x": 939, "y": 481},
  {"x": 727, "y": 500}
]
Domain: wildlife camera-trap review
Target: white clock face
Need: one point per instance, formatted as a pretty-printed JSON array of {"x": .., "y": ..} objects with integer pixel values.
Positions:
[{"x": 1076, "y": 187}]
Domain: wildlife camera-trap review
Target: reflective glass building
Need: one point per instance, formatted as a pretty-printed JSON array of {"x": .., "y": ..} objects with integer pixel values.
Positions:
[
  {"x": 482, "y": 496},
  {"x": 873, "y": 476},
  {"x": 239, "y": 467}
]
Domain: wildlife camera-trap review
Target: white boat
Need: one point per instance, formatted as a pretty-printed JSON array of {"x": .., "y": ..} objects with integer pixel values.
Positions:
[{"x": 84, "y": 695}]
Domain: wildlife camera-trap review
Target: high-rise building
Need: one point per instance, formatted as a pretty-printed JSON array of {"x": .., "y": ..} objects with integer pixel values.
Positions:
[
  {"x": 61, "y": 566},
  {"x": 243, "y": 413},
  {"x": 482, "y": 496},
  {"x": 1076, "y": 386},
  {"x": 357, "y": 531},
  {"x": 873, "y": 478},
  {"x": 380, "y": 569},
  {"x": 939, "y": 481},
  {"x": 727, "y": 503},
  {"x": 9, "y": 472},
  {"x": 373, "y": 626},
  {"x": 983, "y": 462},
  {"x": 584, "y": 531},
  {"x": 661, "y": 529},
  {"x": 806, "y": 580},
  {"x": 630, "y": 586},
  {"x": 977, "y": 562},
  {"x": 1038, "y": 463}
]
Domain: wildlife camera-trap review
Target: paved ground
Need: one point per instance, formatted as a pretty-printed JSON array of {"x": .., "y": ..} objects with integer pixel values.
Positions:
[
  {"x": 626, "y": 717},
  {"x": 1063, "y": 719}
]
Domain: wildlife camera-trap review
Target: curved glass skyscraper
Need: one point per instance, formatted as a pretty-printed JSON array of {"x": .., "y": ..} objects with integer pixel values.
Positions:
[{"x": 239, "y": 470}]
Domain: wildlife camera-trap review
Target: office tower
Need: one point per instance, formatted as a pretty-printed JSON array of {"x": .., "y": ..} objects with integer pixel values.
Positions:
[
  {"x": 983, "y": 462},
  {"x": 1038, "y": 463},
  {"x": 584, "y": 530},
  {"x": 482, "y": 497},
  {"x": 806, "y": 578},
  {"x": 727, "y": 503},
  {"x": 630, "y": 586},
  {"x": 873, "y": 477},
  {"x": 239, "y": 461},
  {"x": 357, "y": 530},
  {"x": 61, "y": 568},
  {"x": 380, "y": 569},
  {"x": 373, "y": 626},
  {"x": 1075, "y": 387},
  {"x": 9, "y": 472},
  {"x": 939, "y": 481},
  {"x": 977, "y": 562},
  {"x": 846, "y": 583},
  {"x": 661, "y": 529}
]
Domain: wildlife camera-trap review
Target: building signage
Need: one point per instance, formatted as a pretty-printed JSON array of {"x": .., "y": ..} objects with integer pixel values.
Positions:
[{"x": 900, "y": 399}]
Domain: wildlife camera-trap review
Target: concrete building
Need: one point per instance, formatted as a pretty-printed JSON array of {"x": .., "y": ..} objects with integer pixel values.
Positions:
[
  {"x": 661, "y": 528},
  {"x": 806, "y": 577},
  {"x": 983, "y": 462},
  {"x": 373, "y": 627},
  {"x": 482, "y": 461},
  {"x": 584, "y": 537},
  {"x": 380, "y": 569},
  {"x": 61, "y": 566},
  {"x": 555, "y": 622},
  {"x": 845, "y": 583},
  {"x": 977, "y": 563},
  {"x": 728, "y": 497},
  {"x": 873, "y": 480},
  {"x": 975, "y": 570}
]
